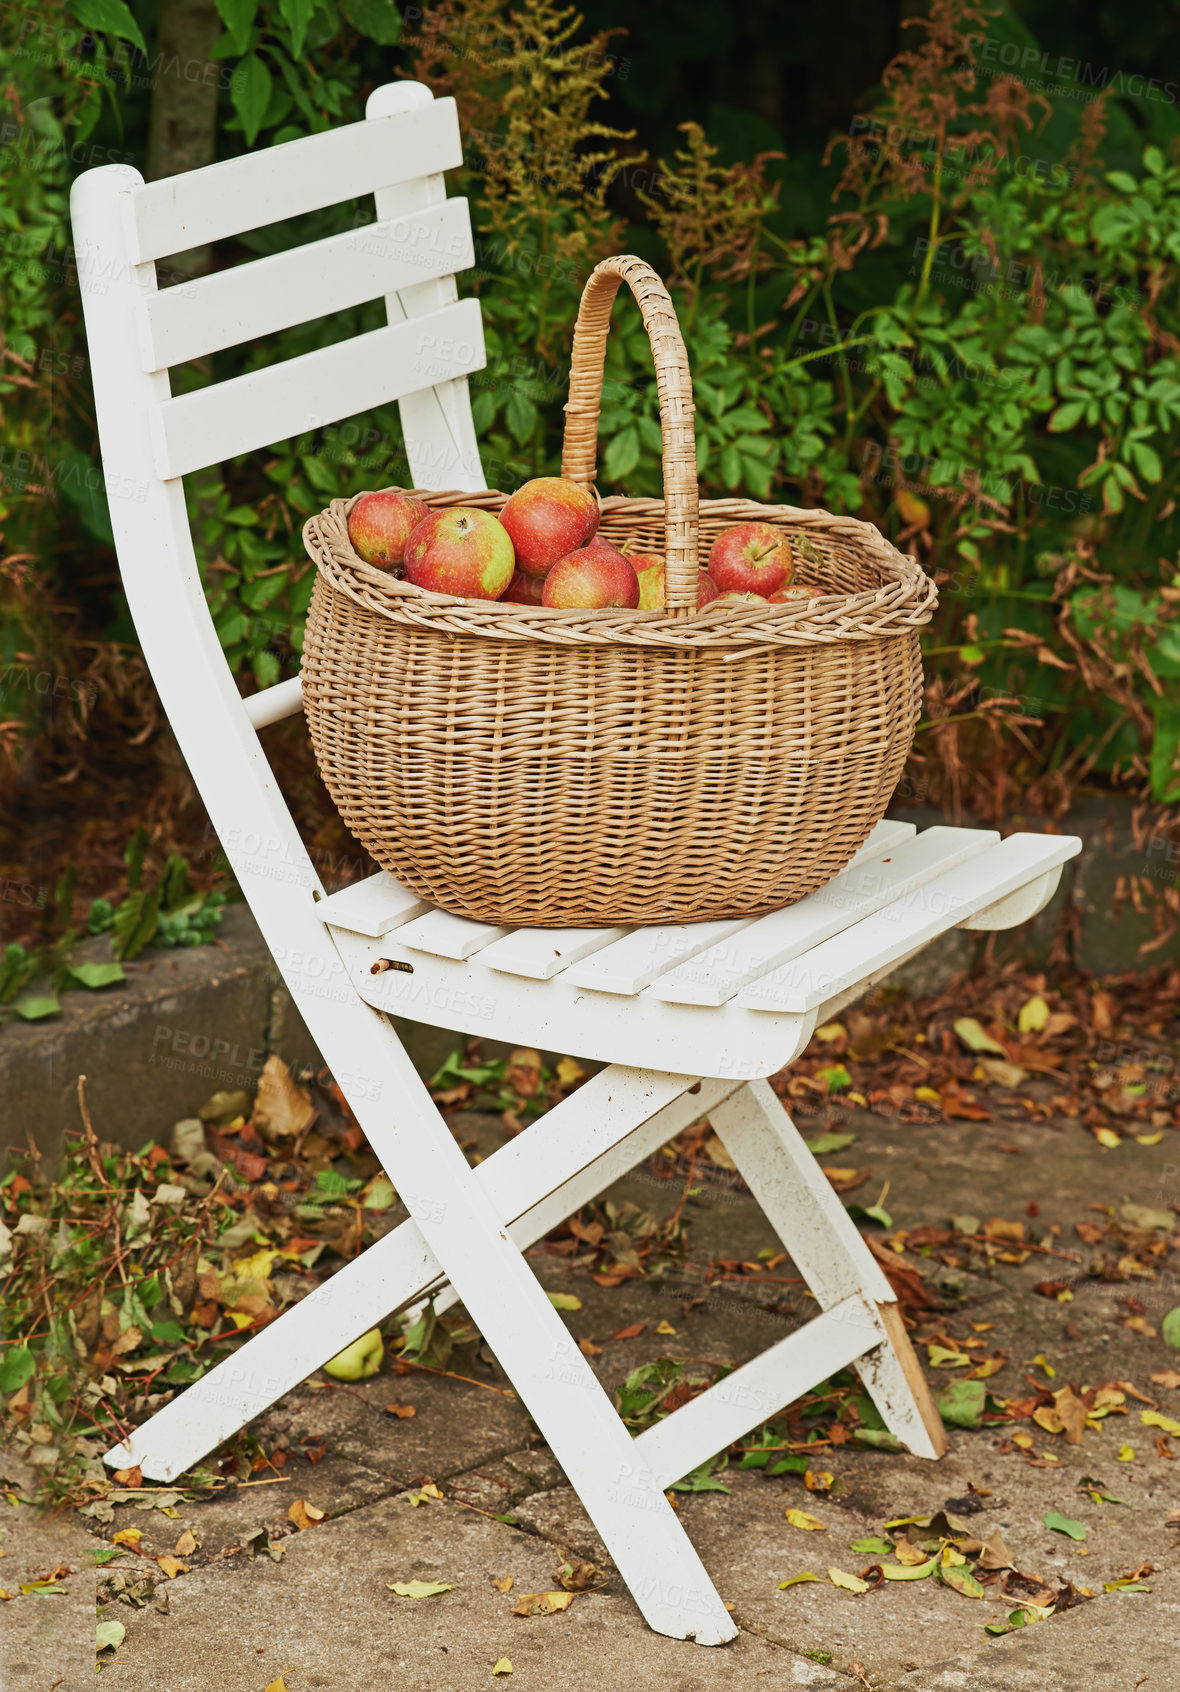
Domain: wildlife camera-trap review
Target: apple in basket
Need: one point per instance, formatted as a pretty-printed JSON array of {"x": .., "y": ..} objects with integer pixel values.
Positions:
[
  {"x": 546, "y": 519},
  {"x": 463, "y": 551},
  {"x": 523, "y": 590},
  {"x": 740, "y": 599},
  {"x": 789, "y": 595},
  {"x": 592, "y": 578},
  {"x": 649, "y": 567},
  {"x": 379, "y": 526},
  {"x": 751, "y": 558}
]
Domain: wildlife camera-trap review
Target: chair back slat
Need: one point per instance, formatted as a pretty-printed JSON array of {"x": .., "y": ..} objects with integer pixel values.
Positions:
[
  {"x": 269, "y": 294},
  {"x": 221, "y": 200},
  {"x": 256, "y": 410}
]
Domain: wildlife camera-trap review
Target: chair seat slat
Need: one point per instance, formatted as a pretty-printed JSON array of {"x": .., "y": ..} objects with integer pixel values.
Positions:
[
  {"x": 866, "y": 949},
  {"x": 255, "y": 410},
  {"x": 180, "y": 212},
  {"x": 273, "y": 293},
  {"x": 864, "y": 887}
]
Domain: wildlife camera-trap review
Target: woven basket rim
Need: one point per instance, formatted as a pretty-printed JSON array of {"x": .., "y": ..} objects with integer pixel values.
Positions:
[{"x": 905, "y": 600}]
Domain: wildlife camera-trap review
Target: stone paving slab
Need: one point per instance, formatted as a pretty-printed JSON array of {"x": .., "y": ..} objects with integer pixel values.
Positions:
[{"x": 324, "y": 1618}]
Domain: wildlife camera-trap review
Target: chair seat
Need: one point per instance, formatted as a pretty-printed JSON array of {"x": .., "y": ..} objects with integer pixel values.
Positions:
[{"x": 738, "y": 998}]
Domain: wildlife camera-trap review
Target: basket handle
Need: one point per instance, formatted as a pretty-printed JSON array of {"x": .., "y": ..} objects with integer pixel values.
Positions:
[{"x": 579, "y": 453}]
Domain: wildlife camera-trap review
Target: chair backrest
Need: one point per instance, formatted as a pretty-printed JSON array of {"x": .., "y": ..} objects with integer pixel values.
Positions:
[{"x": 149, "y": 439}]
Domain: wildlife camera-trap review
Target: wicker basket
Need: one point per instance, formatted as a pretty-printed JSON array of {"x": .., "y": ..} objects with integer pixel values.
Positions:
[{"x": 558, "y": 768}]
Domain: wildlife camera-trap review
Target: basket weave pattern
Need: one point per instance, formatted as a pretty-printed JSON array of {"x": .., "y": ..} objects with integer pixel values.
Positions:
[{"x": 565, "y": 768}]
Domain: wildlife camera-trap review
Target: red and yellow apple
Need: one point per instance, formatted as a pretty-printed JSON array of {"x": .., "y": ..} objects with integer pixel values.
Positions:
[
  {"x": 523, "y": 590},
  {"x": 463, "y": 551},
  {"x": 649, "y": 567},
  {"x": 788, "y": 595},
  {"x": 548, "y": 518},
  {"x": 379, "y": 526},
  {"x": 739, "y": 599},
  {"x": 592, "y": 578},
  {"x": 751, "y": 558}
]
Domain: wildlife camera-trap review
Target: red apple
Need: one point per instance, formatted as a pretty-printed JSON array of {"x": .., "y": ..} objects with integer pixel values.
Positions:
[
  {"x": 548, "y": 518},
  {"x": 462, "y": 551},
  {"x": 523, "y": 590},
  {"x": 739, "y": 599},
  {"x": 788, "y": 595},
  {"x": 707, "y": 590},
  {"x": 379, "y": 525},
  {"x": 751, "y": 558},
  {"x": 592, "y": 578}
]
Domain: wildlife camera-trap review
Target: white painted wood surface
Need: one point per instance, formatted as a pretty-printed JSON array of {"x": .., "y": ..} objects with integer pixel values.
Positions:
[
  {"x": 441, "y": 448},
  {"x": 880, "y": 941},
  {"x": 249, "y": 192},
  {"x": 272, "y": 704},
  {"x": 259, "y": 298},
  {"x": 263, "y": 406},
  {"x": 375, "y": 906}
]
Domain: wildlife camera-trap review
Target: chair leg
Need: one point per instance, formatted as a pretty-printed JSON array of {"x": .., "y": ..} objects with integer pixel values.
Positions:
[
  {"x": 459, "y": 1229},
  {"x": 833, "y": 1259},
  {"x": 401, "y": 1268}
]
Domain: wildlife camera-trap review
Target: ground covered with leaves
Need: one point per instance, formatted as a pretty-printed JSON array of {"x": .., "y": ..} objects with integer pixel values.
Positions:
[{"x": 128, "y": 1274}]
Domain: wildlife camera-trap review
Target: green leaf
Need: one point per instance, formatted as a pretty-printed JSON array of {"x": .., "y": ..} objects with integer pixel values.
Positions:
[
  {"x": 1062, "y": 1524},
  {"x": 34, "y": 1006},
  {"x": 622, "y": 455},
  {"x": 16, "y": 966},
  {"x": 105, "y": 1554},
  {"x": 835, "y": 1077},
  {"x": 380, "y": 20},
  {"x": 238, "y": 18},
  {"x": 82, "y": 482},
  {"x": 961, "y": 1404},
  {"x": 95, "y": 975},
  {"x": 297, "y": 15},
  {"x": 418, "y": 1588},
  {"x": 133, "y": 857},
  {"x": 135, "y": 923},
  {"x": 1154, "y": 161},
  {"x": 794, "y": 1463},
  {"x": 565, "y": 1301},
  {"x": 520, "y": 414},
  {"x": 828, "y": 1143},
  {"x": 961, "y": 1580},
  {"x": 1121, "y": 180},
  {"x": 1170, "y": 1328},
  {"x": 1165, "y": 747},
  {"x": 250, "y": 93},
  {"x": 872, "y": 1547},
  {"x": 266, "y": 668},
  {"x": 108, "y": 1635},
  {"x": 795, "y": 1579},
  {"x": 109, "y": 17},
  {"x": 16, "y": 1367}
]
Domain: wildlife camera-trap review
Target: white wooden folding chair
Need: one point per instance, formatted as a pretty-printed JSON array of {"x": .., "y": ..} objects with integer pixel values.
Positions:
[{"x": 689, "y": 1019}]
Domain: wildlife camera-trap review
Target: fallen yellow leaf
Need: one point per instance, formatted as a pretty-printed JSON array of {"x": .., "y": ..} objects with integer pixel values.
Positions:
[
  {"x": 847, "y": 1582},
  {"x": 542, "y": 1603},
  {"x": 1034, "y": 1014},
  {"x": 304, "y": 1515},
  {"x": 186, "y": 1544},
  {"x": 800, "y": 1519},
  {"x": 665, "y": 1327},
  {"x": 1126, "y": 1454},
  {"x": 279, "y": 1685},
  {"x": 1153, "y": 1419},
  {"x": 172, "y": 1566},
  {"x": 1107, "y": 1137},
  {"x": 504, "y": 1584},
  {"x": 127, "y": 1536},
  {"x": 818, "y": 1480},
  {"x": 503, "y": 1667}
]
